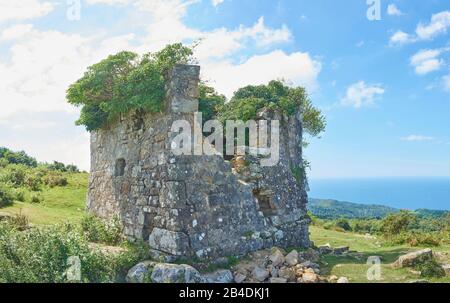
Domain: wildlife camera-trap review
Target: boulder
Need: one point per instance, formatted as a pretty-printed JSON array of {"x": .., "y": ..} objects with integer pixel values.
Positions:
[
  {"x": 277, "y": 280},
  {"x": 277, "y": 257},
  {"x": 287, "y": 273},
  {"x": 310, "y": 277},
  {"x": 292, "y": 258},
  {"x": 341, "y": 250},
  {"x": 140, "y": 272},
  {"x": 446, "y": 268},
  {"x": 310, "y": 255},
  {"x": 325, "y": 249},
  {"x": 239, "y": 278},
  {"x": 260, "y": 274},
  {"x": 414, "y": 258},
  {"x": 309, "y": 264},
  {"x": 174, "y": 273},
  {"x": 342, "y": 280},
  {"x": 333, "y": 279},
  {"x": 220, "y": 276}
]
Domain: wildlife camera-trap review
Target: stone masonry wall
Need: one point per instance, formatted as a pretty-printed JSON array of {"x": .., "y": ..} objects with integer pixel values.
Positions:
[{"x": 194, "y": 206}]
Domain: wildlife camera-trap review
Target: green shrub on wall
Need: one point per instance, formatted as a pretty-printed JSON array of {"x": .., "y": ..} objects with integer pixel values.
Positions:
[{"x": 124, "y": 82}]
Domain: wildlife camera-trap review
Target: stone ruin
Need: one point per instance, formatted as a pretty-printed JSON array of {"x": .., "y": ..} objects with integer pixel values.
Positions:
[{"x": 189, "y": 206}]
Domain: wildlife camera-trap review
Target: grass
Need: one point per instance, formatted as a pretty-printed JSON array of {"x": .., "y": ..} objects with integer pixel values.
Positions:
[
  {"x": 62, "y": 204},
  {"x": 59, "y": 204},
  {"x": 355, "y": 267}
]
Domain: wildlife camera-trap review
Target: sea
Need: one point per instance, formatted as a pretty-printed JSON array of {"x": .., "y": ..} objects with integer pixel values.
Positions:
[{"x": 399, "y": 192}]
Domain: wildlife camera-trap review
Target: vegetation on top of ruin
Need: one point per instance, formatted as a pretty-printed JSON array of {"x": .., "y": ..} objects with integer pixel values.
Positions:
[
  {"x": 126, "y": 81},
  {"x": 248, "y": 100}
]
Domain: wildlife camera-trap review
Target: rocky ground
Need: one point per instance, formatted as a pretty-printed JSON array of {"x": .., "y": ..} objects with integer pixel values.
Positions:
[
  {"x": 276, "y": 266},
  {"x": 266, "y": 266}
]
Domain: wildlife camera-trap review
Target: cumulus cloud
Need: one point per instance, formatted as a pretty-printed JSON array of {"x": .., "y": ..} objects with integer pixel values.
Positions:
[
  {"x": 361, "y": 95},
  {"x": 393, "y": 10},
  {"x": 297, "y": 68},
  {"x": 400, "y": 37},
  {"x": 23, "y": 9},
  {"x": 416, "y": 138},
  {"x": 427, "y": 60},
  {"x": 438, "y": 24},
  {"x": 41, "y": 64}
]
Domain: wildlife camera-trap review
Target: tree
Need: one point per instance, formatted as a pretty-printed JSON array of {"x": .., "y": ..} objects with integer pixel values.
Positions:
[
  {"x": 394, "y": 224},
  {"x": 210, "y": 102}
]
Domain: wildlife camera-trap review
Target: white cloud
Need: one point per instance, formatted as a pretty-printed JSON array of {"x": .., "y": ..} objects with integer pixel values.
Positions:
[
  {"x": 41, "y": 64},
  {"x": 217, "y": 2},
  {"x": 16, "y": 32},
  {"x": 439, "y": 24},
  {"x": 23, "y": 9},
  {"x": 360, "y": 95},
  {"x": 393, "y": 10},
  {"x": 416, "y": 138},
  {"x": 426, "y": 61},
  {"x": 298, "y": 68},
  {"x": 446, "y": 83},
  {"x": 400, "y": 37}
]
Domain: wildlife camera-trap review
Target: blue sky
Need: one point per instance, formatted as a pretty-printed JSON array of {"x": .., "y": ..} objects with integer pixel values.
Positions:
[{"x": 384, "y": 85}]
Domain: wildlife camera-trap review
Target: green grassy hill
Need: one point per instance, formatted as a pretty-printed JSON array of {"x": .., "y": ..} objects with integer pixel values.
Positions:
[{"x": 58, "y": 204}]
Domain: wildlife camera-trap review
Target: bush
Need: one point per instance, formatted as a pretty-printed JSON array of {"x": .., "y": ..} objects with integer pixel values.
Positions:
[
  {"x": 19, "y": 195},
  {"x": 35, "y": 198},
  {"x": 430, "y": 269},
  {"x": 99, "y": 231},
  {"x": 6, "y": 195},
  {"x": 124, "y": 82},
  {"x": 415, "y": 239},
  {"x": 19, "y": 221},
  {"x": 53, "y": 179},
  {"x": 40, "y": 255},
  {"x": 395, "y": 224},
  {"x": 14, "y": 174},
  {"x": 343, "y": 224}
]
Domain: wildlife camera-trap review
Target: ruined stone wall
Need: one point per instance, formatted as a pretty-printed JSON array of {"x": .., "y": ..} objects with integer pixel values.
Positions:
[{"x": 194, "y": 206}]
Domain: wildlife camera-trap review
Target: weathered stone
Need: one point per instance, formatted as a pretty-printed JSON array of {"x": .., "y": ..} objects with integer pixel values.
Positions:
[
  {"x": 292, "y": 258},
  {"x": 310, "y": 255},
  {"x": 325, "y": 249},
  {"x": 309, "y": 264},
  {"x": 341, "y": 250},
  {"x": 174, "y": 243},
  {"x": 414, "y": 258},
  {"x": 140, "y": 273},
  {"x": 174, "y": 273},
  {"x": 310, "y": 277},
  {"x": 278, "y": 280},
  {"x": 239, "y": 278},
  {"x": 260, "y": 274},
  {"x": 201, "y": 205},
  {"x": 220, "y": 276},
  {"x": 446, "y": 268},
  {"x": 342, "y": 280},
  {"x": 276, "y": 257},
  {"x": 287, "y": 273}
]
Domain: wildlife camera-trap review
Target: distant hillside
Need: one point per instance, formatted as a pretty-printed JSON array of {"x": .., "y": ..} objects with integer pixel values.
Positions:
[{"x": 333, "y": 209}]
